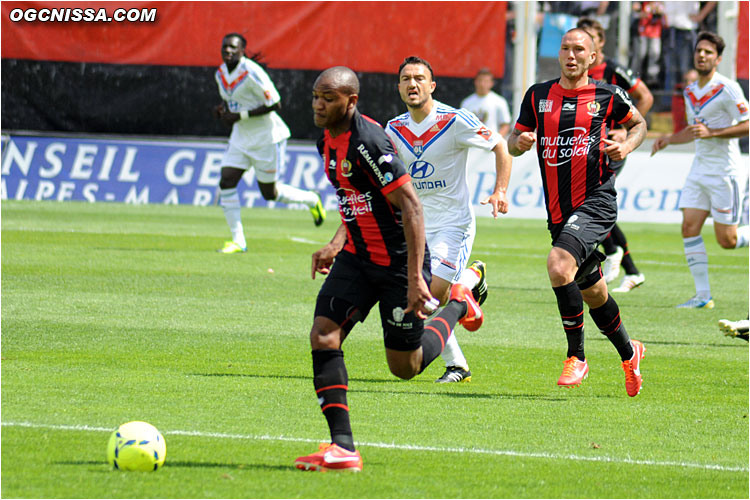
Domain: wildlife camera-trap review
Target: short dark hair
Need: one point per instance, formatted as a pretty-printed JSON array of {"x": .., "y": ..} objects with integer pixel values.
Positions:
[
  {"x": 589, "y": 24},
  {"x": 416, "y": 60},
  {"x": 242, "y": 38},
  {"x": 257, "y": 56},
  {"x": 484, "y": 71},
  {"x": 712, "y": 38}
]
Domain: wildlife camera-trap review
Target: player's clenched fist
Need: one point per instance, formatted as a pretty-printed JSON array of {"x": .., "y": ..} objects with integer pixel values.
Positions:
[
  {"x": 520, "y": 142},
  {"x": 526, "y": 141}
]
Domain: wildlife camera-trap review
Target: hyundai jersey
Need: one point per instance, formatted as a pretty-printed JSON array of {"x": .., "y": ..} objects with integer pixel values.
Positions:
[
  {"x": 248, "y": 87},
  {"x": 435, "y": 152},
  {"x": 717, "y": 105},
  {"x": 363, "y": 168},
  {"x": 570, "y": 126}
]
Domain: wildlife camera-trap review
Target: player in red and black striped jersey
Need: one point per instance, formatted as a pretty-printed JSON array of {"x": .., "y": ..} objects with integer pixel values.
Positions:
[
  {"x": 377, "y": 256},
  {"x": 616, "y": 244},
  {"x": 569, "y": 117}
]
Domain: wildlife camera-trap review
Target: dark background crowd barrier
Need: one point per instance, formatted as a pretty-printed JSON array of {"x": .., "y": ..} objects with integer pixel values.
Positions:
[{"x": 157, "y": 78}]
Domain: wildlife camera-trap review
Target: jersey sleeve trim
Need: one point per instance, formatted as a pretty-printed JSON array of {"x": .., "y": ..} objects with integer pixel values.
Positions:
[
  {"x": 523, "y": 128},
  {"x": 627, "y": 118},
  {"x": 637, "y": 82},
  {"x": 396, "y": 184}
]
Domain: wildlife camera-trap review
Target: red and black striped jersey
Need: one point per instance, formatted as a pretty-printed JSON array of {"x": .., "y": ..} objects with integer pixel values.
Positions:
[
  {"x": 363, "y": 168},
  {"x": 611, "y": 72},
  {"x": 570, "y": 126}
]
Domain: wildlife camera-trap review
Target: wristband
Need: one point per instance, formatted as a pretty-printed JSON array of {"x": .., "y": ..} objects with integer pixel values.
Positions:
[
  {"x": 431, "y": 305},
  {"x": 243, "y": 115}
]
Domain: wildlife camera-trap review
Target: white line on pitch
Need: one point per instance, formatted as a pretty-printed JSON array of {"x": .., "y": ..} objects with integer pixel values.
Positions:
[{"x": 439, "y": 449}]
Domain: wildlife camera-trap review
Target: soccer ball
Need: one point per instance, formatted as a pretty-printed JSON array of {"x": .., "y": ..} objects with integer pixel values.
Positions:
[{"x": 136, "y": 446}]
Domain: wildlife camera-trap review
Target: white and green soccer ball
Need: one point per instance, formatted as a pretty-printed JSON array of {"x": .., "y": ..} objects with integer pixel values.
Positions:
[{"x": 136, "y": 446}]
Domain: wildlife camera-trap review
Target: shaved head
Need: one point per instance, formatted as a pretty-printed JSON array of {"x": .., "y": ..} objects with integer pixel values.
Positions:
[
  {"x": 588, "y": 37},
  {"x": 339, "y": 79}
]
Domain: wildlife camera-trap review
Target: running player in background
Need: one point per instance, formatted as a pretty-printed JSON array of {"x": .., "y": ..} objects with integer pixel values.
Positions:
[
  {"x": 569, "y": 116},
  {"x": 380, "y": 257},
  {"x": 616, "y": 244},
  {"x": 258, "y": 139},
  {"x": 490, "y": 107},
  {"x": 433, "y": 140},
  {"x": 717, "y": 114}
]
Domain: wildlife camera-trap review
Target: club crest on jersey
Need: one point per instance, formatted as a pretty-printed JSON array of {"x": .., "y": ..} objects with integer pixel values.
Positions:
[
  {"x": 418, "y": 147},
  {"x": 593, "y": 108},
  {"x": 346, "y": 168},
  {"x": 545, "y": 105}
]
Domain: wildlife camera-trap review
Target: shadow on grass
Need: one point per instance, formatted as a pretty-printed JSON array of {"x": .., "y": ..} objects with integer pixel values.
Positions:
[
  {"x": 462, "y": 395},
  {"x": 190, "y": 464},
  {"x": 393, "y": 381},
  {"x": 741, "y": 344},
  {"x": 293, "y": 377}
]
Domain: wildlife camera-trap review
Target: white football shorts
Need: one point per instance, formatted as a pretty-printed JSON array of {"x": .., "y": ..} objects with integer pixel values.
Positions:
[
  {"x": 267, "y": 160},
  {"x": 450, "y": 250},
  {"x": 718, "y": 194}
]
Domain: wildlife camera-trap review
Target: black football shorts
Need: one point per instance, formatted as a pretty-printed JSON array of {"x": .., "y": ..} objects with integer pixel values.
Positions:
[{"x": 355, "y": 285}]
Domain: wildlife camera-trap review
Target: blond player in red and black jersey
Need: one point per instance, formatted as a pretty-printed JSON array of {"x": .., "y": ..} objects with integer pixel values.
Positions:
[
  {"x": 567, "y": 119},
  {"x": 616, "y": 244},
  {"x": 377, "y": 256}
]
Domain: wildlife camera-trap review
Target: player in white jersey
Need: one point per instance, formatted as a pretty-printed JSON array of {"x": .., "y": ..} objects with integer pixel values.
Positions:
[
  {"x": 718, "y": 114},
  {"x": 258, "y": 138},
  {"x": 490, "y": 107},
  {"x": 433, "y": 140}
]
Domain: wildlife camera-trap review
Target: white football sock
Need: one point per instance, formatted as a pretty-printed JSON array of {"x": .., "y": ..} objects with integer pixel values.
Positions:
[
  {"x": 743, "y": 236},
  {"x": 697, "y": 259},
  {"x": 452, "y": 354},
  {"x": 230, "y": 202},
  {"x": 469, "y": 278},
  {"x": 290, "y": 194}
]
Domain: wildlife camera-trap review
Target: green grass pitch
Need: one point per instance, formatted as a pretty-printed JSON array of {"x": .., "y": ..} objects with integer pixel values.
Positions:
[{"x": 113, "y": 313}]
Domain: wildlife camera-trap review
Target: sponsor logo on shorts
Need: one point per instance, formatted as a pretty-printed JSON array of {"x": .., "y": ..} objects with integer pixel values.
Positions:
[
  {"x": 398, "y": 314},
  {"x": 570, "y": 223}
]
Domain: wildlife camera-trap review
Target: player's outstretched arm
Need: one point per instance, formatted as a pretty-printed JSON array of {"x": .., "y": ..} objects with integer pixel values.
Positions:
[
  {"x": 322, "y": 260},
  {"x": 738, "y": 130},
  {"x": 503, "y": 164},
  {"x": 683, "y": 136},
  {"x": 406, "y": 198}
]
